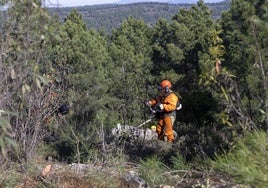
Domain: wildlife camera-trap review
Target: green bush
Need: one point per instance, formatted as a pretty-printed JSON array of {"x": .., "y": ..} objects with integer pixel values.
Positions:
[{"x": 247, "y": 163}]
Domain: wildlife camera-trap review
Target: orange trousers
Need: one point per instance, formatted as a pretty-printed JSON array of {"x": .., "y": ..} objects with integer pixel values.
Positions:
[{"x": 165, "y": 128}]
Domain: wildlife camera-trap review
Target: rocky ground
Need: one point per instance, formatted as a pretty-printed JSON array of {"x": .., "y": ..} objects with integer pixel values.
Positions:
[
  {"x": 55, "y": 174},
  {"x": 52, "y": 173},
  {"x": 82, "y": 175}
]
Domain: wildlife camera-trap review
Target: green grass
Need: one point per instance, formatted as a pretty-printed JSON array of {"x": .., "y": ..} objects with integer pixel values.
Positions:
[
  {"x": 152, "y": 169},
  {"x": 247, "y": 163},
  {"x": 9, "y": 179},
  {"x": 179, "y": 162}
]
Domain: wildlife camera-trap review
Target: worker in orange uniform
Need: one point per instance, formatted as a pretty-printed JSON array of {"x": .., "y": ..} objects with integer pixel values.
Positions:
[{"x": 166, "y": 105}]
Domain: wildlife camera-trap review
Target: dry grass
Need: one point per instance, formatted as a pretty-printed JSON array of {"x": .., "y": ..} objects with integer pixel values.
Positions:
[
  {"x": 109, "y": 173},
  {"x": 105, "y": 178},
  {"x": 60, "y": 180}
]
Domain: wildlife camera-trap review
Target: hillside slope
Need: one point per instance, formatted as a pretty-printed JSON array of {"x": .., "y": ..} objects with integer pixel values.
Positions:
[{"x": 110, "y": 16}]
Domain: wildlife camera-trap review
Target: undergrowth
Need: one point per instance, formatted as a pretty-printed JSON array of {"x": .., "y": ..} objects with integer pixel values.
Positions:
[{"x": 247, "y": 163}]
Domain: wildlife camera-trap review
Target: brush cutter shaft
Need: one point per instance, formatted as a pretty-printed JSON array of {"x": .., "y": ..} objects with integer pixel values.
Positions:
[{"x": 147, "y": 121}]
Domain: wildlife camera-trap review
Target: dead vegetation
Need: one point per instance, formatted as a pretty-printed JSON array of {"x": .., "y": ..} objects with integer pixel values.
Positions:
[{"x": 114, "y": 171}]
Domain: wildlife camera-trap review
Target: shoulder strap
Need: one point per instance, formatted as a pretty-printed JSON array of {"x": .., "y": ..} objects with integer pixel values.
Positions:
[{"x": 167, "y": 94}]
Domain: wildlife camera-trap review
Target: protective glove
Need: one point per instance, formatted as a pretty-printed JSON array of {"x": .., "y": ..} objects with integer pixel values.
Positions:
[{"x": 159, "y": 107}]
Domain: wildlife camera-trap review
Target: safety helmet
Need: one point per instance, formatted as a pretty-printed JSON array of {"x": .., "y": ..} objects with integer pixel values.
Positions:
[{"x": 164, "y": 84}]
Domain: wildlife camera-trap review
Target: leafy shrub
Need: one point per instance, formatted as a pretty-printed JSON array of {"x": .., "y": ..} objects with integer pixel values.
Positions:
[{"x": 247, "y": 163}]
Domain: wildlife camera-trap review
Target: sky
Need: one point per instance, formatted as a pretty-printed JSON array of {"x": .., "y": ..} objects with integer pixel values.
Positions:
[{"x": 70, "y": 3}]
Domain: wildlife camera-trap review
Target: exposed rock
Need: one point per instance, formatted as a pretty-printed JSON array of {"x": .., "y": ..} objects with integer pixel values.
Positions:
[
  {"x": 132, "y": 180},
  {"x": 47, "y": 170},
  {"x": 133, "y": 132}
]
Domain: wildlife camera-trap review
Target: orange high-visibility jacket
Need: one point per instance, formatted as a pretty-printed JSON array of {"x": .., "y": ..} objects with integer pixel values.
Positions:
[{"x": 169, "y": 102}]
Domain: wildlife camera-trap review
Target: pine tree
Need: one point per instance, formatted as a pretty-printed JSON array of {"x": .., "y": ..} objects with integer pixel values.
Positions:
[
  {"x": 87, "y": 69},
  {"x": 245, "y": 40},
  {"x": 130, "y": 52},
  {"x": 181, "y": 48}
]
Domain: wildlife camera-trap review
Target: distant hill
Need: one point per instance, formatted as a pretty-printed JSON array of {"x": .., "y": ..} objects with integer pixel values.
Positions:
[
  {"x": 110, "y": 16},
  {"x": 167, "y": 1}
]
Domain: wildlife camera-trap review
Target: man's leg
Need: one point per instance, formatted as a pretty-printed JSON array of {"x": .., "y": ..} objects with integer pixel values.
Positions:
[
  {"x": 168, "y": 123},
  {"x": 159, "y": 129}
]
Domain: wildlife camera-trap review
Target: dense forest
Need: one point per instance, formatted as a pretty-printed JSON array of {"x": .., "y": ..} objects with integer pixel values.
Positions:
[
  {"x": 65, "y": 84},
  {"x": 110, "y": 16}
]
